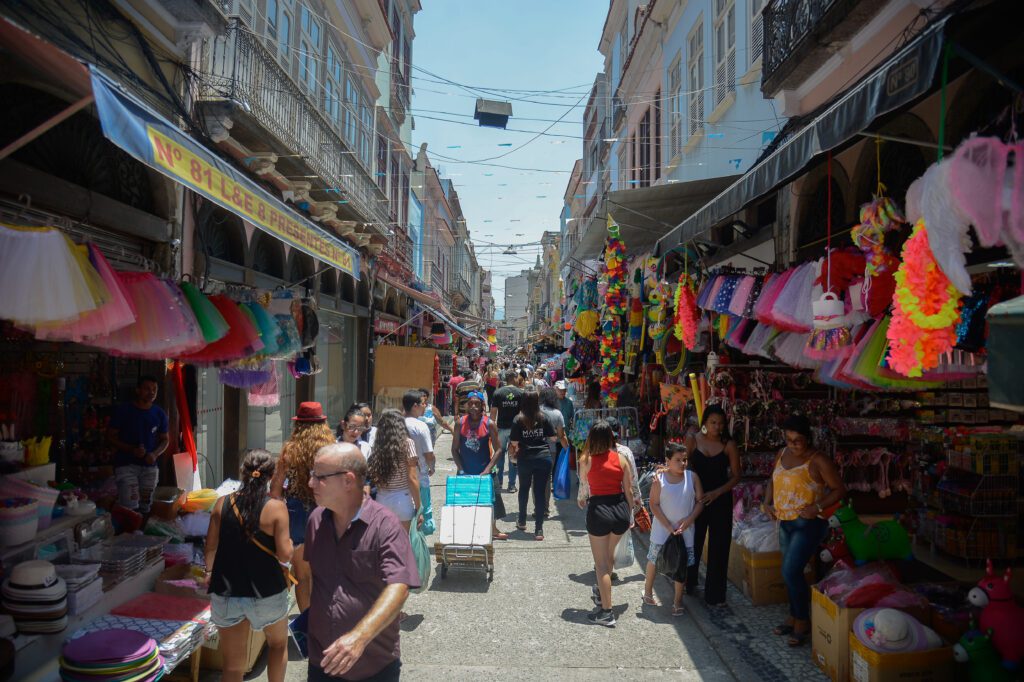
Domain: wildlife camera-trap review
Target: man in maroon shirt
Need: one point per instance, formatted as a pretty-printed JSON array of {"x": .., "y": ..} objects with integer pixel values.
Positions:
[{"x": 363, "y": 567}]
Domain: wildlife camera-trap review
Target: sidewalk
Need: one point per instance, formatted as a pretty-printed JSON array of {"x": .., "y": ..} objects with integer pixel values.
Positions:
[{"x": 742, "y": 635}]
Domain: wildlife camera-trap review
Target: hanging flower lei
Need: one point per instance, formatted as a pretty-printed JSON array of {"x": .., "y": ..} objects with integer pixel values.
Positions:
[
  {"x": 926, "y": 307},
  {"x": 687, "y": 319}
]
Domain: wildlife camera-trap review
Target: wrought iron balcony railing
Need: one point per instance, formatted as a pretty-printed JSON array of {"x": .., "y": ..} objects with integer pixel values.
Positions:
[{"x": 241, "y": 70}]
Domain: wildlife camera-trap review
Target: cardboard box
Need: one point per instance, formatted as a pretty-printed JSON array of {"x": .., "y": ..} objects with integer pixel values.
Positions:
[
  {"x": 761, "y": 577},
  {"x": 212, "y": 660},
  {"x": 830, "y": 634},
  {"x": 867, "y": 665},
  {"x": 178, "y": 573},
  {"x": 736, "y": 571}
]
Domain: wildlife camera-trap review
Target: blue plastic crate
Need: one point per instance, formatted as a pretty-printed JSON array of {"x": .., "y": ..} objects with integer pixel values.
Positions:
[{"x": 469, "y": 491}]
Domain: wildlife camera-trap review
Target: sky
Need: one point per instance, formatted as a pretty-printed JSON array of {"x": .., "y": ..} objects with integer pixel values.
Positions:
[{"x": 465, "y": 46}]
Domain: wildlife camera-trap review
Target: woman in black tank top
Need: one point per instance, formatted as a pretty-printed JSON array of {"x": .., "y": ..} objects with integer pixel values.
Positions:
[
  {"x": 715, "y": 459},
  {"x": 247, "y": 544}
]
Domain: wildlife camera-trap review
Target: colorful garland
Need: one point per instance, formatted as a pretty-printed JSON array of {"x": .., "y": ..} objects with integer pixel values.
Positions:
[
  {"x": 687, "y": 318},
  {"x": 926, "y": 307},
  {"x": 615, "y": 302},
  {"x": 876, "y": 218},
  {"x": 657, "y": 312}
]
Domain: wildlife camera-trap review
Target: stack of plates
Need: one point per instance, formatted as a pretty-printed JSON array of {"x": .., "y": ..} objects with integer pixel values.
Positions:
[
  {"x": 36, "y": 597},
  {"x": 120, "y": 655},
  {"x": 116, "y": 563},
  {"x": 151, "y": 545},
  {"x": 85, "y": 587}
]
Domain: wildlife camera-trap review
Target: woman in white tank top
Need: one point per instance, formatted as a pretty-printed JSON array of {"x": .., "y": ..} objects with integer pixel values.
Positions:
[{"x": 675, "y": 506}]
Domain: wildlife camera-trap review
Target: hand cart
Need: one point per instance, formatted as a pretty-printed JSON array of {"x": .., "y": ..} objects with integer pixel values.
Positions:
[{"x": 465, "y": 534}]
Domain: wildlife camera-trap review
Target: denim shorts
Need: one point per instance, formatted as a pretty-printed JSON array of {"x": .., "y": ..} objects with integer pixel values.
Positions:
[
  {"x": 230, "y": 611},
  {"x": 298, "y": 514}
]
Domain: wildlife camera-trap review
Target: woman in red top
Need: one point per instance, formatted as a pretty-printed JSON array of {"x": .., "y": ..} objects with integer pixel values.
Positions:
[{"x": 606, "y": 491}]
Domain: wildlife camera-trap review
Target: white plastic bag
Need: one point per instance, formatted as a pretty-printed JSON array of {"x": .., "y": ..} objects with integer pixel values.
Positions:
[{"x": 624, "y": 552}]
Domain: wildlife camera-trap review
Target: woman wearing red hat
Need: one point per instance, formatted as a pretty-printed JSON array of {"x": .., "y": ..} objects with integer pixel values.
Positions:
[{"x": 291, "y": 483}]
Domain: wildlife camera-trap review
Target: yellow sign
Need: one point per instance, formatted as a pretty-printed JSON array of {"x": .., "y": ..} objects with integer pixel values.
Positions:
[{"x": 221, "y": 188}]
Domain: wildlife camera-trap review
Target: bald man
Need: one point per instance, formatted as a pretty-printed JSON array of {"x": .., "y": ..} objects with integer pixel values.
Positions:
[{"x": 363, "y": 567}]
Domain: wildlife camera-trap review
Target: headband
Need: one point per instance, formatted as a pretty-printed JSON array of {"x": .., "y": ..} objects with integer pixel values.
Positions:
[{"x": 475, "y": 394}]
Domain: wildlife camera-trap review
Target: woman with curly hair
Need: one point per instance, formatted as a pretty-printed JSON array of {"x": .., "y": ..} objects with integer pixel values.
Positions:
[
  {"x": 394, "y": 468},
  {"x": 247, "y": 545},
  {"x": 291, "y": 483}
]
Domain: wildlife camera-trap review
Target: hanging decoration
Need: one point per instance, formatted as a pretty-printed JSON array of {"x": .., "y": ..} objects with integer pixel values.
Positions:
[
  {"x": 926, "y": 307},
  {"x": 615, "y": 269},
  {"x": 657, "y": 312},
  {"x": 614, "y": 307},
  {"x": 587, "y": 317},
  {"x": 636, "y": 319},
  {"x": 687, "y": 317},
  {"x": 877, "y": 217}
]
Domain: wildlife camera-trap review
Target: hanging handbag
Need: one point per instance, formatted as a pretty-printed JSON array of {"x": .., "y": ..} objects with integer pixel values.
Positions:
[
  {"x": 289, "y": 579},
  {"x": 642, "y": 519}
]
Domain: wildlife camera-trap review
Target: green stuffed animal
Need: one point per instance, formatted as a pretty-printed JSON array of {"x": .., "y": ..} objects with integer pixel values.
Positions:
[
  {"x": 883, "y": 540},
  {"x": 983, "y": 661}
]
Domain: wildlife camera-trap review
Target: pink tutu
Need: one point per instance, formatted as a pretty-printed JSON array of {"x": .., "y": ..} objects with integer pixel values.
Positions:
[
  {"x": 165, "y": 324},
  {"x": 116, "y": 313},
  {"x": 789, "y": 349},
  {"x": 792, "y": 309},
  {"x": 769, "y": 292},
  {"x": 741, "y": 296}
]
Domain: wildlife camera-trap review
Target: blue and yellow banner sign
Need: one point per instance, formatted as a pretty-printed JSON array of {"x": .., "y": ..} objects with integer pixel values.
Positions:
[{"x": 149, "y": 138}]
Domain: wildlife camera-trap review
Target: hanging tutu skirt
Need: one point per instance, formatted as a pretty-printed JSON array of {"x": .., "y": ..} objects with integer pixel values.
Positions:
[
  {"x": 164, "y": 325},
  {"x": 265, "y": 324},
  {"x": 741, "y": 296},
  {"x": 241, "y": 341},
  {"x": 716, "y": 286},
  {"x": 769, "y": 292},
  {"x": 755, "y": 294},
  {"x": 44, "y": 278},
  {"x": 789, "y": 349},
  {"x": 267, "y": 393},
  {"x": 116, "y": 313},
  {"x": 760, "y": 340},
  {"x": 792, "y": 309},
  {"x": 724, "y": 296},
  {"x": 740, "y": 333},
  {"x": 211, "y": 322},
  {"x": 246, "y": 374},
  {"x": 289, "y": 342},
  {"x": 705, "y": 291}
]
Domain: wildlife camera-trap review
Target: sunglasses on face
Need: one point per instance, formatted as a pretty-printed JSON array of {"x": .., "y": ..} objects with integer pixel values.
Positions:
[{"x": 320, "y": 478}]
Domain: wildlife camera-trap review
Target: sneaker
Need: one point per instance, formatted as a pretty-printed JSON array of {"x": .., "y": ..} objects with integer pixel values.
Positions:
[{"x": 602, "y": 617}]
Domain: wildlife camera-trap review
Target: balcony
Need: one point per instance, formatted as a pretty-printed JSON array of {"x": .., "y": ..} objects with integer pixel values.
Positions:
[
  {"x": 396, "y": 258},
  {"x": 247, "y": 94},
  {"x": 399, "y": 94},
  {"x": 437, "y": 282},
  {"x": 460, "y": 291},
  {"x": 799, "y": 35}
]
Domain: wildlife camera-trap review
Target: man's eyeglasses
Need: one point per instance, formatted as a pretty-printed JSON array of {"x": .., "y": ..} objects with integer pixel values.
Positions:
[{"x": 320, "y": 478}]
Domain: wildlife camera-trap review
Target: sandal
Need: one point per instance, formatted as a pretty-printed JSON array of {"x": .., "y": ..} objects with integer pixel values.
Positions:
[
  {"x": 798, "y": 639},
  {"x": 678, "y": 611},
  {"x": 649, "y": 600},
  {"x": 501, "y": 536},
  {"x": 539, "y": 537},
  {"x": 782, "y": 629}
]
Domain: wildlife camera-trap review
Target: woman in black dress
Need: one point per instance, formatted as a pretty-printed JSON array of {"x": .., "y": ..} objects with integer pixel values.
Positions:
[{"x": 715, "y": 459}]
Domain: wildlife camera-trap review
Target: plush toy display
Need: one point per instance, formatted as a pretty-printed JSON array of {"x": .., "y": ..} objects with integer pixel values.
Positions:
[
  {"x": 983, "y": 661},
  {"x": 835, "y": 548},
  {"x": 1000, "y": 615},
  {"x": 883, "y": 540}
]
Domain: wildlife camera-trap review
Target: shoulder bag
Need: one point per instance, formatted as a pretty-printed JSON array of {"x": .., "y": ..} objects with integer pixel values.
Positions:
[{"x": 289, "y": 579}]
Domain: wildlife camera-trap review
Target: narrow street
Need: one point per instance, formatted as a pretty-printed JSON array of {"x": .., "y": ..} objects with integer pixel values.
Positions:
[{"x": 530, "y": 622}]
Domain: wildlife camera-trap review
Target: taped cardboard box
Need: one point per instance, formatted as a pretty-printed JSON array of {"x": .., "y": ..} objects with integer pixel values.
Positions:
[
  {"x": 830, "y": 634},
  {"x": 212, "y": 659},
  {"x": 867, "y": 665},
  {"x": 762, "y": 576}
]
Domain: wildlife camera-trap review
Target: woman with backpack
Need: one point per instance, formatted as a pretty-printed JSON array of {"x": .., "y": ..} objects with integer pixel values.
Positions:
[{"x": 248, "y": 548}]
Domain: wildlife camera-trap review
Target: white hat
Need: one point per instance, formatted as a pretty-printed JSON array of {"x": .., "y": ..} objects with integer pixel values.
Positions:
[
  {"x": 560, "y": 385},
  {"x": 33, "y": 575}
]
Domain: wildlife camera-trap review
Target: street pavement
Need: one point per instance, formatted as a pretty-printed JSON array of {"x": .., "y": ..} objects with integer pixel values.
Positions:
[{"x": 530, "y": 622}]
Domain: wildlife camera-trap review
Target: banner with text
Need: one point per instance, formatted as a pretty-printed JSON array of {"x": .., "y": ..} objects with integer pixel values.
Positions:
[{"x": 155, "y": 142}]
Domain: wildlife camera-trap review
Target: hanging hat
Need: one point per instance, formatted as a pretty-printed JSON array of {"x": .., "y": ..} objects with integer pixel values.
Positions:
[
  {"x": 310, "y": 412},
  {"x": 891, "y": 631}
]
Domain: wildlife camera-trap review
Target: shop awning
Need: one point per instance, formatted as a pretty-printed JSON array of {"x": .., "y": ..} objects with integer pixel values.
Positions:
[
  {"x": 1005, "y": 370},
  {"x": 431, "y": 305},
  {"x": 905, "y": 76},
  {"x": 159, "y": 144},
  {"x": 646, "y": 214}
]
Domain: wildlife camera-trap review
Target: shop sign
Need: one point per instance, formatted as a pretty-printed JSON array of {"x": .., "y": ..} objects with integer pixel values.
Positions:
[
  {"x": 161, "y": 146},
  {"x": 382, "y": 326}
]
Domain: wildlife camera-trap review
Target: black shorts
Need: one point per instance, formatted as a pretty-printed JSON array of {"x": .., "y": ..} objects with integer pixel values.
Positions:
[{"x": 608, "y": 514}]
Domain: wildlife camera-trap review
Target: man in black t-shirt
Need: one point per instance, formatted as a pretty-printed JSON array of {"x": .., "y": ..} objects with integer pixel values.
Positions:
[{"x": 503, "y": 412}]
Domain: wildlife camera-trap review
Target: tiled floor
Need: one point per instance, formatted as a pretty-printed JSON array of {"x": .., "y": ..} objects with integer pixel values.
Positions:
[{"x": 742, "y": 634}]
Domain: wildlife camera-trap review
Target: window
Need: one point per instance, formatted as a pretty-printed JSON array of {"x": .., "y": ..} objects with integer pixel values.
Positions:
[
  {"x": 725, "y": 49},
  {"x": 625, "y": 148},
  {"x": 695, "y": 82},
  {"x": 643, "y": 156},
  {"x": 272, "y": 20},
  {"x": 286, "y": 37},
  {"x": 656, "y": 138},
  {"x": 756, "y": 30},
  {"x": 332, "y": 86},
  {"x": 309, "y": 47},
  {"x": 675, "y": 104},
  {"x": 366, "y": 136},
  {"x": 382, "y": 161},
  {"x": 623, "y": 43},
  {"x": 352, "y": 104}
]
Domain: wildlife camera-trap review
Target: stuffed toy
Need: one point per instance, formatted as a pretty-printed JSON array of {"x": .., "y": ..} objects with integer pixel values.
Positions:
[
  {"x": 835, "y": 548},
  {"x": 1001, "y": 615},
  {"x": 983, "y": 662},
  {"x": 883, "y": 540}
]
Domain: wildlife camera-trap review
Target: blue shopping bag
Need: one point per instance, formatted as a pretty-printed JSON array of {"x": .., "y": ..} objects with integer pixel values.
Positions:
[
  {"x": 421, "y": 551},
  {"x": 563, "y": 484}
]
